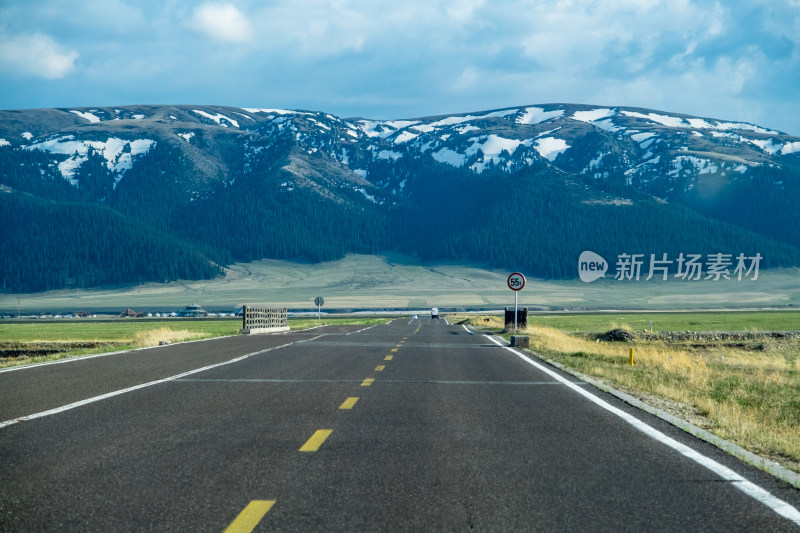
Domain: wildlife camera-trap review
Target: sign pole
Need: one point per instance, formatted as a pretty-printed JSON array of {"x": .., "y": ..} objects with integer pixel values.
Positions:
[
  {"x": 318, "y": 301},
  {"x": 515, "y": 282}
]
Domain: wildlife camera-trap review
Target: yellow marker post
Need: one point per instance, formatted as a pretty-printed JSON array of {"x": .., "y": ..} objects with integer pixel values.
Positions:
[
  {"x": 348, "y": 403},
  {"x": 250, "y": 516},
  {"x": 630, "y": 358},
  {"x": 316, "y": 440}
]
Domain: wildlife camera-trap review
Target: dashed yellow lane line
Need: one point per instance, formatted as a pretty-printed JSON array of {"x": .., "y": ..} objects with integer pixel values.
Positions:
[
  {"x": 387, "y": 358},
  {"x": 380, "y": 368},
  {"x": 348, "y": 403},
  {"x": 394, "y": 349},
  {"x": 367, "y": 382},
  {"x": 316, "y": 440},
  {"x": 250, "y": 516}
]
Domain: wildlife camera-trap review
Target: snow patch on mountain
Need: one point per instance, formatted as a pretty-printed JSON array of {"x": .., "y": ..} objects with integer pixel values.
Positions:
[
  {"x": 687, "y": 162},
  {"x": 594, "y": 114},
  {"x": 389, "y": 154},
  {"x": 697, "y": 123},
  {"x": 91, "y": 117},
  {"x": 218, "y": 118},
  {"x": 376, "y": 128},
  {"x": 186, "y": 136},
  {"x": 367, "y": 195},
  {"x": 790, "y": 148},
  {"x": 405, "y": 136},
  {"x": 4, "y": 142},
  {"x": 639, "y": 137},
  {"x": 27, "y": 135},
  {"x": 594, "y": 163},
  {"x": 118, "y": 153},
  {"x": 492, "y": 147},
  {"x": 537, "y": 115},
  {"x": 449, "y": 121},
  {"x": 551, "y": 147},
  {"x": 273, "y": 111},
  {"x": 664, "y": 120},
  {"x": 768, "y": 145},
  {"x": 450, "y": 157},
  {"x": 744, "y": 127}
]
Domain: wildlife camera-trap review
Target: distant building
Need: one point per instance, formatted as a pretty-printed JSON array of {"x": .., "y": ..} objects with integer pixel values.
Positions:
[{"x": 193, "y": 311}]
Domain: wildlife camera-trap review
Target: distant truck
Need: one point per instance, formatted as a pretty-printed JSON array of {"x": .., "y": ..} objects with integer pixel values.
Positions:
[{"x": 435, "y": 312}]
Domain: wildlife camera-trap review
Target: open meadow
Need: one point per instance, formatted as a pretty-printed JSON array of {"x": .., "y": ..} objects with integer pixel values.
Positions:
[{"x": 399, "y": 282}]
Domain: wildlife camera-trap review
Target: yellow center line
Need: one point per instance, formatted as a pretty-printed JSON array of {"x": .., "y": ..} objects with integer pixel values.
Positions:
[
  {"x": 250, "y": 516},
  {"x": 316, "y": 440},
  {"x": 348, "y": 403},
  {"x": 387, "y": 358},
  {"x": 367, "y": 382},
  {"x": 394, "y": 349},
  {"x": 380, "y": 368}
]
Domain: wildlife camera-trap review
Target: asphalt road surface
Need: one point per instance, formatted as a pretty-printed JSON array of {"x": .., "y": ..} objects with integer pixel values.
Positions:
[{"x": 412, "y": 426}]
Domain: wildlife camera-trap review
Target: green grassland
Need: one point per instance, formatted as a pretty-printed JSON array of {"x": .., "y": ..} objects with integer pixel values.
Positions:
[
  {"x": 25, "y": 342},
  {"x": 664, "y": 321},
  {"x": 399, "y": 282}
]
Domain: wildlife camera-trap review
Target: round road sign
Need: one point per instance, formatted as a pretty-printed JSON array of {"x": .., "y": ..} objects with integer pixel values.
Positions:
[
  {"x": 318, "y": 301},
  {"x": 516, "y": 281}
]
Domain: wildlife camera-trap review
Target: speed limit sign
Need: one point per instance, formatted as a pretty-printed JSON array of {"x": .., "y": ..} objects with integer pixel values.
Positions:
[{"x": 516, "y": 281}]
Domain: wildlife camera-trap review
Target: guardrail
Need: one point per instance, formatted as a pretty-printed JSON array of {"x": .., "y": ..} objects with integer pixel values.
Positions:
[{"x": 262, "y": 319}]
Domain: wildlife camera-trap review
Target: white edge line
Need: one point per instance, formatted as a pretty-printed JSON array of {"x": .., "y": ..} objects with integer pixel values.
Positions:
[
  {"x": 749, "y": 488},
  {"x": 468, "y": 330},
  {"x": 759, "y": 462},
  {"x": 141, "y": 386},
  {"x": 359, "y": 331}
]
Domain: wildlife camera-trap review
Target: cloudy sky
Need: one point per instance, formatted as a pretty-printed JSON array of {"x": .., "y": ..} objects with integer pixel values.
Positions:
[{"x": 734, "y": 60}]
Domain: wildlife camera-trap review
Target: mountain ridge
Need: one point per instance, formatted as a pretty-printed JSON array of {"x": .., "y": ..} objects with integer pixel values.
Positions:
[{"x": 309, "y": 184}]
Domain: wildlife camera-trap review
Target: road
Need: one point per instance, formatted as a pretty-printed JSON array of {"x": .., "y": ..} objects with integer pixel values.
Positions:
[{"x": 417, "y": 425}]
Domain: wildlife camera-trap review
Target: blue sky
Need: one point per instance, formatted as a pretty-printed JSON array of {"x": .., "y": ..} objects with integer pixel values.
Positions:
[{"x": 733, "y": 60}]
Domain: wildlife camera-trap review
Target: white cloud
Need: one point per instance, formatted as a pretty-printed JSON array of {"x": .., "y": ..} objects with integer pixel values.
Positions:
[
  {"x": 36, "y": 55},
  {"x": 223, "y": 22}
]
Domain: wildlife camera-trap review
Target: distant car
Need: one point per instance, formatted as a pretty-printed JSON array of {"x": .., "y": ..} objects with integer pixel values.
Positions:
[
  {"x": 414, "y": 317},
  {"x": 435, "y": 312}
]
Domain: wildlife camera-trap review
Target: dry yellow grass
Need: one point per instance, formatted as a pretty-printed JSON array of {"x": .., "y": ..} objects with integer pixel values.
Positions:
[{"x": 154, "y": 337}]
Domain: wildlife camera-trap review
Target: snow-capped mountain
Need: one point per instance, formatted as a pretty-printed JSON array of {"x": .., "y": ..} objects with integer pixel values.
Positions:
[{"x": 164, "y": 165}]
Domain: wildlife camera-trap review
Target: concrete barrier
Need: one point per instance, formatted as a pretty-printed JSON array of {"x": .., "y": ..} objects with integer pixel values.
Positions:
[
  {"x": 521, "y": 341},
  {"x": 263, "y": 319}
]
